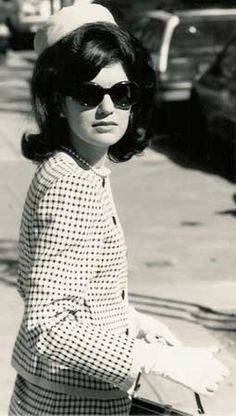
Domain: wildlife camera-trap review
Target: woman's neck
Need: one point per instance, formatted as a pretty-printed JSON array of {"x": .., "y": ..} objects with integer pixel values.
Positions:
[{"x": 94, "y": 155}]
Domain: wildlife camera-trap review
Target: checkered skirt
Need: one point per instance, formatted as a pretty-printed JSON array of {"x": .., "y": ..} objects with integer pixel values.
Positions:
[{"x": 30, "y": 400}]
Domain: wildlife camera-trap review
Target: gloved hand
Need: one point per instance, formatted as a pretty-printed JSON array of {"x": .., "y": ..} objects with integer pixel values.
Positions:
[
  {"x": 195, "y": 368},
  {"x": 150, "y": 329}
]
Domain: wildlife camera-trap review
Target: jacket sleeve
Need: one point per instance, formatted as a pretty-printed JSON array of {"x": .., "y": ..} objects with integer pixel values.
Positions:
[{"x": 63, "y": 261}]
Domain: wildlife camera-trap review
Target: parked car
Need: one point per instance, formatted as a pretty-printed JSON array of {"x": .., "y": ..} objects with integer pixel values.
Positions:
[
  {"x": 182, "y": 45},
  {"x": 212, "y": 126},
  {"x": 23, "y": 17}
]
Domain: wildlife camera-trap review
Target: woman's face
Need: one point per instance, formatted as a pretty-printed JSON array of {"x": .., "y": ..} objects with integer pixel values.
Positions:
[{"x": 104, "y": 124}]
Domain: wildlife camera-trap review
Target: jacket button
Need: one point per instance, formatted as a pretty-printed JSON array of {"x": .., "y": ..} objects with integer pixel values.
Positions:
[
  {"x": 123, "y": 294},
  {"x": 127, "y": 331},
  {"x": 114, "y": 220}
]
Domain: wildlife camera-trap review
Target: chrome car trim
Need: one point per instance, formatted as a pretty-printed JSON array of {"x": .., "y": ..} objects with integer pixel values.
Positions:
[
  {"x": 159, "y": 14},
  {"x": 171, "y": 24},
  {"x": 208, "y": 12}
]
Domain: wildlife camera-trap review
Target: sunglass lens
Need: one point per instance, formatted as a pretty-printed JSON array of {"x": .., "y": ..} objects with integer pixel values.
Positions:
[
  {"x": 90, "y": 95},
  {"x": 125, "y": 94}
]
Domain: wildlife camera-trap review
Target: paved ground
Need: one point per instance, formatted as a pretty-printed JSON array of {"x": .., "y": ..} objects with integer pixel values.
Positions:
[
  {"x": 181, "y": 237},
  {"x": 180, "y": 230}
]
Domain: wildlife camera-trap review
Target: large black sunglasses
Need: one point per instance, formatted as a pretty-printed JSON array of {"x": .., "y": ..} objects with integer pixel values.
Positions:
[{"x": 123, "y": 94}]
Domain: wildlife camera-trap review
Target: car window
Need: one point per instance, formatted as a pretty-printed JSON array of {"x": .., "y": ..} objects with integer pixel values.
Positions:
[
  {"x": 152, "y": 37},
  {"x": 194, "y": 46},
  {"x": 201, "y": 37},
  {"x": 150, "y": 31}
]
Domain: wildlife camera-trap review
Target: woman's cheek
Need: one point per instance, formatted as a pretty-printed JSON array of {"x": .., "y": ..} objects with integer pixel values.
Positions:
[{"x": 124, "y": 122}]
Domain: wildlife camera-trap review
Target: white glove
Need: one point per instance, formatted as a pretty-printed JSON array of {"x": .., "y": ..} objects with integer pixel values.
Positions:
[
  {"x": 195, "y": 368},
  {"x": 150, "y": 329}
]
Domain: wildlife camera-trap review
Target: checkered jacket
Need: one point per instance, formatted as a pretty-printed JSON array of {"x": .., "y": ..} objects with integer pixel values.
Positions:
[{"x": 73, "y": 281}]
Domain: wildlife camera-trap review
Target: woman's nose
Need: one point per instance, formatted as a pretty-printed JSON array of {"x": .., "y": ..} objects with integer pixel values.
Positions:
[{"x": 106, "y": 106}]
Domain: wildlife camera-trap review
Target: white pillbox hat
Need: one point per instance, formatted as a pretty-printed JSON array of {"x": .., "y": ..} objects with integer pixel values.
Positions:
[{"x": 68, "y": 19}]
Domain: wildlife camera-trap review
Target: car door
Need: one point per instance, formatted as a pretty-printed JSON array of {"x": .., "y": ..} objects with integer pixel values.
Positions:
[{"x": 217, "y": 92}]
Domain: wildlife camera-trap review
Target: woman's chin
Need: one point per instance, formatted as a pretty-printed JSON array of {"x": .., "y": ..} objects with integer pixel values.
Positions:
[{"x": 104, "y": 139}]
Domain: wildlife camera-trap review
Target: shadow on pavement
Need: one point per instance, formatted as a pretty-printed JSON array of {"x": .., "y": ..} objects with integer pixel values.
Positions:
[
  {"x": 208, "y": 158},
  {"x": 228, "y": 212},
  {"x": 185, "y": 311},
  {"x": 8, "y": 262}
]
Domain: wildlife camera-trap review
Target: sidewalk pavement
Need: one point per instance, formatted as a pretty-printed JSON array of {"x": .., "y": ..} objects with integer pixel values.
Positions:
[{"x": 180, "y": 231}]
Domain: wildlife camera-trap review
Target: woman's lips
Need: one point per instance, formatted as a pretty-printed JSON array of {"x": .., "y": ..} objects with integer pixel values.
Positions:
[
  {"x": 104, "y": 123},
  {"x": 103, "y": 127}
]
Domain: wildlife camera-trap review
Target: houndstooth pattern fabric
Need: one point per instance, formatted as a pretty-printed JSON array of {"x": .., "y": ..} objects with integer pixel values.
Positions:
[
  {"x": 73, "y": 281},
  {"x": 31, "y": 400}
]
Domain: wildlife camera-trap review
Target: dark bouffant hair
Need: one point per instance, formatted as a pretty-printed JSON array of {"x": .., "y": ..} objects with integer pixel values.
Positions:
[{"x": 77, "y": 58}]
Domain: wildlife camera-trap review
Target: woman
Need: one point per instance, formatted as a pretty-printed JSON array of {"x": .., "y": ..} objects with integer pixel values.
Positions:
[{"x": 80, "y": 347}]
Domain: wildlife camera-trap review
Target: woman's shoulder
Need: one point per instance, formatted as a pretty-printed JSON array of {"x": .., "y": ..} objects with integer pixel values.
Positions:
[
  {"x": 60, "y": 169},
  {"x": 61, "y": 164}
]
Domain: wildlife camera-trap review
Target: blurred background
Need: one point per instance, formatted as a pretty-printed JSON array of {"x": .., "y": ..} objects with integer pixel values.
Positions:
[{"x": 176, "y": 203}]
